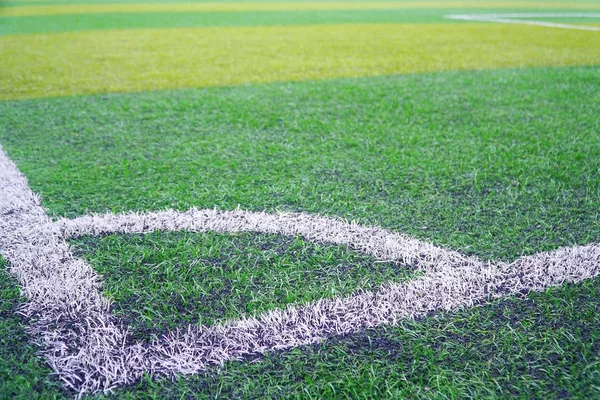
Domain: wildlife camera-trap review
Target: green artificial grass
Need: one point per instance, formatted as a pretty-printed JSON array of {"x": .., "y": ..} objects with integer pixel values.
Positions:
[
  {"x": 13, "y": 3},
  {"x": 544, "y": 346},
  {"x": 64, "y": 23},
  {"x": 163, "y": 280},
  {"x": 85, "y": 22},
  {"x": 492, "y": 163}
]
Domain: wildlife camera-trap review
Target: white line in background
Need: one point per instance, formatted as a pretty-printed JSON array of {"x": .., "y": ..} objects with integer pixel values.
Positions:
[
  {"x": 91, "y": 350},
  {"x": 518, "y": 18}
]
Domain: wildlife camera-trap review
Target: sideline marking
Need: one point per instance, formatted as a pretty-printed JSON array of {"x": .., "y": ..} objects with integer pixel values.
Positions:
[
  {"x": 517, "y": 18},
  {"x": 91, "y": 350}
]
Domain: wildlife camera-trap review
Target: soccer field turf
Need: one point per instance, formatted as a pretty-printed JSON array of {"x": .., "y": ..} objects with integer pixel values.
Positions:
[{"x": 475, "y": 138}]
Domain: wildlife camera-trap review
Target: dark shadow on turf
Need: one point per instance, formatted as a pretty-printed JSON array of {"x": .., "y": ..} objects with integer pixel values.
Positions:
[{"x": 164, "y": 280}]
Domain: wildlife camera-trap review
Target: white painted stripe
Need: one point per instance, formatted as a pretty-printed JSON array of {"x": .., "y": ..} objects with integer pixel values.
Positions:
[
  {"x": 69, "y": 316},
  {"x": 518, "y": 18},
  {"x": 91, "y": 350},
  {"x": 377, "y": 242},
  {"x": 447, "y": 289}
]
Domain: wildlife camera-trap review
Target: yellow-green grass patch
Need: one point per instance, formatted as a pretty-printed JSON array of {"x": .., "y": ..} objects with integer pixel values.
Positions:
[
  {"x": 276, "y": 6},
  {"x": 77, "y": 63}
]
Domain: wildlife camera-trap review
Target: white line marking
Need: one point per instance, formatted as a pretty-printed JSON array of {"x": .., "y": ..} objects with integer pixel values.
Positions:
[
  {"x": 380, "y": 243},
  {"x": 517, "y": 18},
  {"x": 91, "y": 350}
]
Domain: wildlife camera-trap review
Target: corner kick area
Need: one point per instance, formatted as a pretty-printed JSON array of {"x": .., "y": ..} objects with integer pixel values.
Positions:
[
  {"x": 63, "y": 291},
  {"x": 388, "y": 199}
]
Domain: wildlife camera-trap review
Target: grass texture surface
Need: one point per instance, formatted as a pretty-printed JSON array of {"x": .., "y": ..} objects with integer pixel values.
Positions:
[
  {"x": 544, "y": 346},
  {"x": 497, "y": 163},
  {"x": 68, "y": 23},
  {"x": 58, "y": 9},
  {"x": 147, "y": 59},
  {"x": 163, "y": 280},
  {"x": 322, "y": 113}
]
